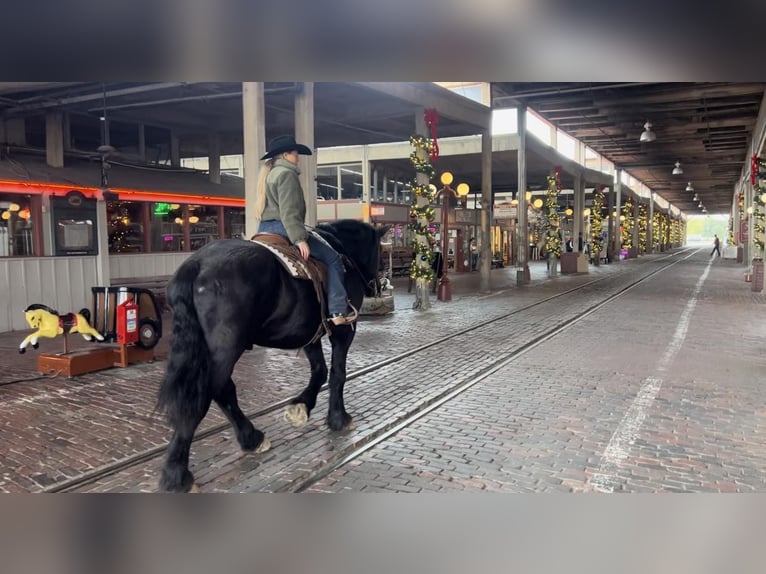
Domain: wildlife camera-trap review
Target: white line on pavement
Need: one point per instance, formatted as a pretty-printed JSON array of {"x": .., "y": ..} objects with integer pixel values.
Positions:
[{"x": 618, "y": 448}]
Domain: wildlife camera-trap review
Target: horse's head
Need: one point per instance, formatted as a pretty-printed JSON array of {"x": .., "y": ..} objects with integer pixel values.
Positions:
[
  {"x": 360, "y": 242},
  {"x": 38, "y": 316}
]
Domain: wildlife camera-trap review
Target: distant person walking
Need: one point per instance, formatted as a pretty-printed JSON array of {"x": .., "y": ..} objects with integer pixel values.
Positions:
[{"x": 716, "y": 246}]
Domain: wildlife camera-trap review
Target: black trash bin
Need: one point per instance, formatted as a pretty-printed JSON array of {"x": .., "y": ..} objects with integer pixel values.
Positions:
[{"x": 105, "y": 301}]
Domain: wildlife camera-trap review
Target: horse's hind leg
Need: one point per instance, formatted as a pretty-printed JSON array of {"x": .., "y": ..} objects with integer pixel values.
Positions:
[
  {"x": 176, "y": 476},
  {"x": 298, "y": 411},
  {"x": 248, "y": 437}
]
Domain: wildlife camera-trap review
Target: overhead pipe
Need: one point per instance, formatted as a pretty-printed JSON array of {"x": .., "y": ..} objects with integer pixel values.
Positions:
[
  {"x": 57, "y": 102},
  {"x": 555, "y": 92},
  {"x": 294, "y": 88}
]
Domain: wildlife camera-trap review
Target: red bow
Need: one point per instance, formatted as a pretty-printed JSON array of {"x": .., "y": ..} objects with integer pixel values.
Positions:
[
  {"x": 754, "y": 169},
  {"x": 431, "y": 117}
]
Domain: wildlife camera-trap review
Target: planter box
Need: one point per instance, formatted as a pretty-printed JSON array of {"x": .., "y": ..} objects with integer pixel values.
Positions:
[
  {"x": 569, "y": 262},
  {"x": 757, "y": 284}
]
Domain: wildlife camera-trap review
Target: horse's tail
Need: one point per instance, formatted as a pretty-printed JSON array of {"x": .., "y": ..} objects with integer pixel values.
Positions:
[{"x": 183, "y": 394}]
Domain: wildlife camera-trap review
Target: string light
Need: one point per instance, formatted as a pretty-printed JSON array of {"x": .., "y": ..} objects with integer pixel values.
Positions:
[{"x": 422, "y": 214}]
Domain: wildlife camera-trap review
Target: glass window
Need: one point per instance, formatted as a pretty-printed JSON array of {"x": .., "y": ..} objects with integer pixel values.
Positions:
[
  {"x": 565, "y": 144},
  {"x": 505, "y": 121},
  {"x": 351, "y": 182},
  {"x": 17, "y": 226},
  {"x": 126, "y": 226},
  {"x": 538, "y": 127},
  {"x": 327, "y": 183},
  {"x": 203, "y": 225},
  {"x": 234, "y": 222},
  {"x": 74, "y": 225},
  {"x": 166, "y": 227}
]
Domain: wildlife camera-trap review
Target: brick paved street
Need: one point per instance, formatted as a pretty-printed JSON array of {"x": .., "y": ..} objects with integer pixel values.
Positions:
[
  {"x": 549, "y": 432},
  {"x": 544, "y": 423}
]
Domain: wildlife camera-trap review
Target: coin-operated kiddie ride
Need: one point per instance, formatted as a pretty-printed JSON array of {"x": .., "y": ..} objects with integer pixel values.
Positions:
[{"x": 127, "y": 317}]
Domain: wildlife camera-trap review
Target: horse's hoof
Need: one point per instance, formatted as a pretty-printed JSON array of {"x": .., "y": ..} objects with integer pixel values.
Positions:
[
  {"x": 264, "y": 446},
  {"x": 296, "y": 414},
  {"x": 22, "y": 351},
  {"x": 35, "y": 345},
  {"x": 194, "y": 489}
]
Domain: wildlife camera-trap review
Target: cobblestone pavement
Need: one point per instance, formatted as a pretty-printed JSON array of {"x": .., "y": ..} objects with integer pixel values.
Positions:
[
  {"x": 659, "y": 391},
  {"x": 53, "y": 430}
]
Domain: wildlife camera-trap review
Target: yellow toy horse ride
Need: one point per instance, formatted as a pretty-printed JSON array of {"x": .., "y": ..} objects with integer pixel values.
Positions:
[{"x": 50, "y": 324}]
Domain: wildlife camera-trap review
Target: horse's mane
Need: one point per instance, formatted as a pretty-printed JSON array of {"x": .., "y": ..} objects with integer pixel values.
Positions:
[
  {"x": 333, "y": 231},
  {"x": 36, "y": 306}
]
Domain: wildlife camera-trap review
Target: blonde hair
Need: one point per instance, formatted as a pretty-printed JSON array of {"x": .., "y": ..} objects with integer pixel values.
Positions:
[{"x": 260, "y": 190}]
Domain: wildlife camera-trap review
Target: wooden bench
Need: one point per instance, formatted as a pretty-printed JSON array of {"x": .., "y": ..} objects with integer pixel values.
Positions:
[
  {"x": 157, "y": 285},
  {"x": 401, "y": 261}
]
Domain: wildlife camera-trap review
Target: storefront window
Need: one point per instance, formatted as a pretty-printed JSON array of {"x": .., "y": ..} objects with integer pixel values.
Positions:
[
  {"x": 166, "y": 227},
  {"x": 234, "y": 222},
  {"x": 203, "y": 225},
  {"x": 126, "y": 226},
  {"x": 351, "y": 181},
  {"x": 327, "y": 183},
  {"x": 17, "y": 226}
]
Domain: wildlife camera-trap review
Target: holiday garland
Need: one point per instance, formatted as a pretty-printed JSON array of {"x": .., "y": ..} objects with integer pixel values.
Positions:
[
  {"x": 596, "y": 220},
  {"x": 759, "y": 206},
  {"x": 551, "y": 216},
  {"x": 422, "y": 214},
  {"x": 627, "y": 224},
  {"x": 642, "y": 228},
  {"x": 656, "y": 230}
]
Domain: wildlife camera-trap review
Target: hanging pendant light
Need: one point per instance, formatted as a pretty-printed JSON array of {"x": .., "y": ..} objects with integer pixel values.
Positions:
[
  {"x": 689, "y": 186},
  {"x": 696, "y": 197},
  {"x": 677, "y": 170},
  {"x": 647, "y": 135}
]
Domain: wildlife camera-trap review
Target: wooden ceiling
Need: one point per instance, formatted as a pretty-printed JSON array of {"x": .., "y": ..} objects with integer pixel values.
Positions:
[{"x": 707, "y": 127}]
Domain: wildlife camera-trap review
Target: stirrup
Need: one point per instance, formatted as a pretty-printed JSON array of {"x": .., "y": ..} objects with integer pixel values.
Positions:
[{"x": 341, "y": 319}]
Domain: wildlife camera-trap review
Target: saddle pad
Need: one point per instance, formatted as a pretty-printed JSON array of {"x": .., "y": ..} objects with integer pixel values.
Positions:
[{"x": 287, "y": 255}]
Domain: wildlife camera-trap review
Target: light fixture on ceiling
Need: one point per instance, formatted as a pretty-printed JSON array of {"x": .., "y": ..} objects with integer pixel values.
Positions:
[
  {"x": 704, "y": 210},
  {"x": 677, "y": 170},
  {"x": 689, "y": 186},
  {"x": 647, "y": 135},
  {"x": 700, "y": 205},
  {"x": 696, "y": 197}
]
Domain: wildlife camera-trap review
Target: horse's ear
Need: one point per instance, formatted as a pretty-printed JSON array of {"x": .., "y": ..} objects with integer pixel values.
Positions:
[{"x": 381, "y": 231}]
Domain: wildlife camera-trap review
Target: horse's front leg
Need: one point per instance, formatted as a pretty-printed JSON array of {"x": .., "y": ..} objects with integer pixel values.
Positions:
[
  {"x": 298, "y": 411},
  {"x": 337, "y": 417},
  {"x": 31, "y": 338}
]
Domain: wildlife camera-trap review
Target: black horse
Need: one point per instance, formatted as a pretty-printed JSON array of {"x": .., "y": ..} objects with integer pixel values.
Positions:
[{"x": 233, "y": 294}]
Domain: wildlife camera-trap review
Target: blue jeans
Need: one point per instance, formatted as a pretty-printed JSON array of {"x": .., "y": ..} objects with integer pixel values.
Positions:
[{"x": 336, "y": 291}]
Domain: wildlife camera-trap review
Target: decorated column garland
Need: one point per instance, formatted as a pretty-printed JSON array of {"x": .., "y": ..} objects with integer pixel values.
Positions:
[
  {"x": 627, "y": 224},
  {"x": 596, "y": 221},
  {"x": 551, "y": 216},
  {"x": 759, "y": 208},
  {"x": 422, "y": 216},
  {"x": 642, "y": 228}
]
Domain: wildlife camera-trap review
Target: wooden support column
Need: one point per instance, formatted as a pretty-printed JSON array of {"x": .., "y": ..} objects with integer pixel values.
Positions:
[
  {"x": 254, "y": 126},
  {"x": 304, "y": 134},
  {"x": 54, "y": 138}
]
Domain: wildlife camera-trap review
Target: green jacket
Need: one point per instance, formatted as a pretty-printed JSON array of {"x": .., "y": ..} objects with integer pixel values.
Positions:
[{"x": 285, "y": 201}]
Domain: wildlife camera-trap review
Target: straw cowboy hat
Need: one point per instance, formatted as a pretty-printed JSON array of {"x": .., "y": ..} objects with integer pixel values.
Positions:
[{"x": 281, "y": 144}]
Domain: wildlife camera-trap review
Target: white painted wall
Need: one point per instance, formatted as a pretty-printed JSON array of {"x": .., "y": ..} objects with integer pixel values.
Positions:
[
  {"x": 64, "y": 283},
  {"x": 144, "y": 265}
]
